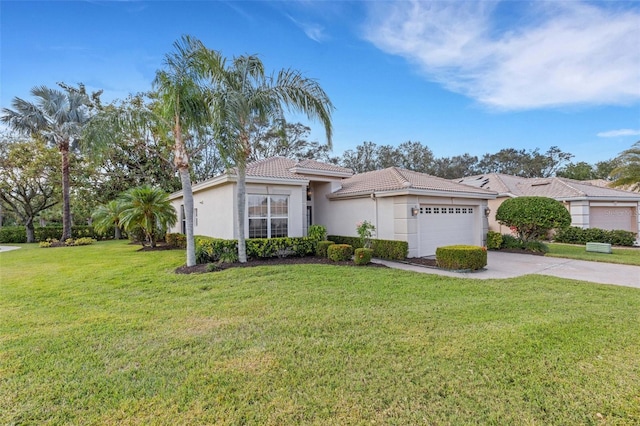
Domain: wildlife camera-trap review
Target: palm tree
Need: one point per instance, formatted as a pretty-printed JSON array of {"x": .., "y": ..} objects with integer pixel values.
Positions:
[
  {"x": 107, "y": 216},
  {"x": 628, "y": 172},
  {"x": 148, "y": 209},
  {"x": 241, "y": 93},
  {"x": 58, "y": 117},
  {"x": 182, "y": 105}
]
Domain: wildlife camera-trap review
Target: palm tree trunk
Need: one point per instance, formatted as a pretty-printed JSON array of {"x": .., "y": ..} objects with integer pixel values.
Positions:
[
  {"x": 241, "y": 207},
  {"x": 66, "y": 204},
  {"x": 118, "y": 233},
  {"x": 187, "y": 199}
]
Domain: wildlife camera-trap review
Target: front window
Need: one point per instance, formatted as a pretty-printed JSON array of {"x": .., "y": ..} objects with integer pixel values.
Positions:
[{"x": 268, "y": 216}]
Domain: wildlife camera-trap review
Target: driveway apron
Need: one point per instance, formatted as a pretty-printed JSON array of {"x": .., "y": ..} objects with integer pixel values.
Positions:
[{"x": 510, "y": 265}]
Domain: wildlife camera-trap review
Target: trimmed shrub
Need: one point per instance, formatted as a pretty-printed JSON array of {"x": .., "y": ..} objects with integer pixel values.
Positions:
[
  {"x": 511, "y": 242},
  {"x": 339, "y": 252},
  {"x": 84, "y": 241},
  {"x": 69, "y": 242},
  {"x": 461, "y": 257},
  {"x": 362, "y": 256},
  {"x": 321, "y": 248},
  {"x": 18, "y": 234},
  {"x": 210, "y": 250},
  {"x": 13, "y": 234},
  {"x": 533, "y": 217},
  {"x": 494, "y": 240},
  {"x": 176, "y": 240},
  {"x": 536, "y": 247},
  {"x": 576, "y": 235},
  {"x": 384, "y": 249},
  {"x": 317, "y": 232}
]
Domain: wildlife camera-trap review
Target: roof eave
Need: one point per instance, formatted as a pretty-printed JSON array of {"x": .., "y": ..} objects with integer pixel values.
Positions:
[
  {"x": 226, "y": 178},
  {"x": 414, "y": 191},
  {"x": 316, "y": 172}
]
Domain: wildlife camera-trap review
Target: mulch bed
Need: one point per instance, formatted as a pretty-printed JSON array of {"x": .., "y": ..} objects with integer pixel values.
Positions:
[{"x": 309, "y": 260}]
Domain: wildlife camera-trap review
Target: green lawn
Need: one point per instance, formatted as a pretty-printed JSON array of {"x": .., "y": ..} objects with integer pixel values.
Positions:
[
  {"x": 104, "y": 334},
  {"x": 627, "y": 256}
]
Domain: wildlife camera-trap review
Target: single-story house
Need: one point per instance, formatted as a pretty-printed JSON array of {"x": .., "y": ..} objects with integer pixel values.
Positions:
[
  {"x": 591, "y": 205},
  {"x": 285, "y": 197}
]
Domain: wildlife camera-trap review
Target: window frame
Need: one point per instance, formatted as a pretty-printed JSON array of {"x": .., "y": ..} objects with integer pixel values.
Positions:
[{"x": 269, "y": 216}]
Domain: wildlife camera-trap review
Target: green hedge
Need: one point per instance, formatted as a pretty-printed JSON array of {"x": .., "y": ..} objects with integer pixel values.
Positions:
[
  {"x": 321, "y": 248},
  {"x": 212, "y": 249},
  {"x": 383, "y": 249},
  {"x": 575, "y": 235},
  {"x": 362, "y": 256},
  {"x": 461, "y": 257},
  {"x": 494, "y": 240},
  {"x": 18, "y": 234},
  {"x": 176, "y": 240},
  {"x": 13, "y": 234},
  {"x": 339, "y": 252}
]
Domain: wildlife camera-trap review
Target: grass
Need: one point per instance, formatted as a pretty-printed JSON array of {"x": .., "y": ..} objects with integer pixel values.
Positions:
[
  {"x": 626, "y": 256},
  {"x": 103, "y": 334}
]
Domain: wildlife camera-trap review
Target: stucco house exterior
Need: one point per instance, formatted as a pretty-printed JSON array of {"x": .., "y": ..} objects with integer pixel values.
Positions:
[
  {"x": 590, "y": 205},
  {"x": 285, "y": 197}
]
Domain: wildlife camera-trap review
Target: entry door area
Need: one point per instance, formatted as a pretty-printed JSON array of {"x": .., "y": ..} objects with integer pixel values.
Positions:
[{"x": 444, "y": 226}]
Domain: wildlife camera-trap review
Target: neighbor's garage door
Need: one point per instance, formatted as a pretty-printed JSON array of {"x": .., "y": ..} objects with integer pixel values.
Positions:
[
  {"x": 611, "y": 218},
  {"x": 444, "y": 226}
]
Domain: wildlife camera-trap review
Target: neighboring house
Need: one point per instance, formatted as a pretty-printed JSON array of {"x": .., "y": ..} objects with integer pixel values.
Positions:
[
  {"x": 285, "y": 197},
  {"x": 591, "y": 205}
]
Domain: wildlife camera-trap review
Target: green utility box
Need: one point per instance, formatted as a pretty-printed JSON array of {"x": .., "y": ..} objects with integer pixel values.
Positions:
[{"x": 599, "y": 247}]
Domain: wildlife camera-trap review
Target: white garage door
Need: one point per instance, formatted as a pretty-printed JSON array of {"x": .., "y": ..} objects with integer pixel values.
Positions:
[
  {"x": 611, "y": 218},
  {"x": 444, "y": 226}
]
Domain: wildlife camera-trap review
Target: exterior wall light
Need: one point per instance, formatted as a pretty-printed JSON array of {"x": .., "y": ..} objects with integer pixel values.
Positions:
[
  {"x": 414, "y": 211},
  {"x": 487, "y": 210}
]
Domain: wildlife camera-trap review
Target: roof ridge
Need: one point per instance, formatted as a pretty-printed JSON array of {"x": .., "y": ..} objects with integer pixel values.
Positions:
[
  {"x": 569, "y": 186},
  {"x": 404, "y": 182}
]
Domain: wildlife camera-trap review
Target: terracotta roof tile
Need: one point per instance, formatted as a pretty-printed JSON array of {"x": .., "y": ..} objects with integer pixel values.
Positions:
[
  {"x": 394, "y": 178},
  {"x": 317, "y": 165},
  {"x": 553, "y": 187}
]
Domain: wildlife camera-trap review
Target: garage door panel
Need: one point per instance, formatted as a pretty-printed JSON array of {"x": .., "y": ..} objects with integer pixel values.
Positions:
[
  {"x": 445, "y": 225},
  {"x": 611, "y": 218}
]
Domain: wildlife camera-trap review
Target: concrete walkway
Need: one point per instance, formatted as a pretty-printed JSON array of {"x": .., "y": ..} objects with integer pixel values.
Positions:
[
  {"x": 8, "y": 248},
  {"x": 509, "y": 265}
]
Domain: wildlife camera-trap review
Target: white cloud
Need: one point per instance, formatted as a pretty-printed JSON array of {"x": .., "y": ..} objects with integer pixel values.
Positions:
[
  {"x": 315, "y": 32},
  {"x": 546, "y": 55},
  {"x": 618, "y": 133}
]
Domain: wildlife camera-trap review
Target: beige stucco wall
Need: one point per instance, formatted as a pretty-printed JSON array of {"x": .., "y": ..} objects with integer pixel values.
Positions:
[
  {"x": 297, "y": 205},
  {"x": 341, "y": 216},
  {"x": 215, "y": 212},
  {"x": 392, "y": 217},
  {"x": 216, "y": 209}
]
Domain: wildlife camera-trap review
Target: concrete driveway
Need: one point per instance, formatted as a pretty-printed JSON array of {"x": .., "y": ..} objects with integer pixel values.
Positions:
[
  {"x": 8, "y": 248},
  {"x": 509, "y": 265}
]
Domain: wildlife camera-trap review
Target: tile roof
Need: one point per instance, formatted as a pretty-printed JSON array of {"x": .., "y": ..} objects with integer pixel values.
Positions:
[
  {"x": 324, "y": 167},
  {"x": 395, "y": 179},
  {"x": 285, "y": 168},
  {"x": 274, "y": 167},
  {"x": 553, "y": 187}
]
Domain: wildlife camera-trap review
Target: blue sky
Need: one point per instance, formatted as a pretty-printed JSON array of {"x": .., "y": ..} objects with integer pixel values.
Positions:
[{"x": 460, "y": 77}]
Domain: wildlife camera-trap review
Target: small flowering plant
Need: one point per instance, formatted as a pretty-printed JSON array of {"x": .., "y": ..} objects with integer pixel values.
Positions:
[{"x": 365, "y": 230}]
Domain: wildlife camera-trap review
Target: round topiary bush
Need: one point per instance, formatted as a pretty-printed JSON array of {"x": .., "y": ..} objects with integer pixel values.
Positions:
[
  {"x": 339, "y": 252},
  {"x": 461, "y": 257},
  {"x": 321, "y": 248},
  {"x": 533, "y": 217},
  {"x": 362, "y": 256}
]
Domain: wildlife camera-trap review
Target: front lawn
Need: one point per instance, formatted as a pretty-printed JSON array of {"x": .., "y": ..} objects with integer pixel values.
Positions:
[
  {"x": 627, "y": 256},
  {"x": 104, "y": 334}
]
